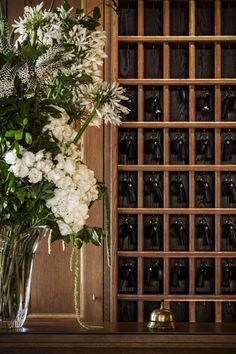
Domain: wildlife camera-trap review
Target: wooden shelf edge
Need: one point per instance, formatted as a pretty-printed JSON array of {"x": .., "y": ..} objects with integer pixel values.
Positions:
[
  {"x": 177, "y": 254},
  {"x": 177, "y": 167},
  {"x": 184, "y": 39},
  {"x": 178, "y": 211},
  {"x": 176, "y": 297},
  {"x": 176, "y": 125},
  {"x": 201, "y": 82}
]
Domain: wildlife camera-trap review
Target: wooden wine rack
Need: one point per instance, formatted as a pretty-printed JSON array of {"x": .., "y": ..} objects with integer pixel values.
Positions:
[{"x": 218, "y": 38}]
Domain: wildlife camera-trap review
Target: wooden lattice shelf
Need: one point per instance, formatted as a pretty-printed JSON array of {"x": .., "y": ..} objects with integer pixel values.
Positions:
[{"x": 174, "y": 181}]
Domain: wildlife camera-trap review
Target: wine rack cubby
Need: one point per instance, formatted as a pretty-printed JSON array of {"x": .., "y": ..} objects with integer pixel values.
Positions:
[{"x": 173, "y": 160}]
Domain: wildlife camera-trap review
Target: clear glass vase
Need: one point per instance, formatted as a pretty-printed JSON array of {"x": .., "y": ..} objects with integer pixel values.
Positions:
[{"x": 17, "y": 251}]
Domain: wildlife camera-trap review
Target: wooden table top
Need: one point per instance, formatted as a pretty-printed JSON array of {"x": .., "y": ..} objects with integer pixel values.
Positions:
[{"x": 58, "y": 336}]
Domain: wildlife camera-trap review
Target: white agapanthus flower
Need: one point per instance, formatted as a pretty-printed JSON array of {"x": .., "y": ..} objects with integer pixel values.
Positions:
[
  {"x": 110, "y": 110},
  {"x": 51, "y": 29},
  {"x": 34, "y": 18},
  {"x": 85, "y": 49}
]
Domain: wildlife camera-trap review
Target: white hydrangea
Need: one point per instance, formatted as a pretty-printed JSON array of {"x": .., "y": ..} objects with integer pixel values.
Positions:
[
  {"x": 28, "y": 158},
  {"x": 19, "y": 169},
  {"x": 75, "y": 184},
  {"x": 35, "y": 175},
  {"x": 44, "y": 165},
  {"x": 67, "y": 204},
  {"x": 10, "y": 157},
  {"x": 59, "y": 129},
  {"x": 39, "y": 155}
]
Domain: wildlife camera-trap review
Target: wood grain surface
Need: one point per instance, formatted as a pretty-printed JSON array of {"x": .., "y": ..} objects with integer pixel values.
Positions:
[{"x": 65, "y": 336}]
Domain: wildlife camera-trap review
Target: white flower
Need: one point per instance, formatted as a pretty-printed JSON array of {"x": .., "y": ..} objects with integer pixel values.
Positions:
[
  {"x": 55, "y": 175},
  {"x": 10, "y": 157},
  {"x": 74, "y": 184},
  {"x": 28, "y": 158},
  {"x": 69, "y": 166},
  {"x": 45, "y": 166},
  {"x": 33, "y": 18},
  {"x": 65, "y": 229},
  {"x": 19, "y": 169},
  {"x": 39, "y": 155},
  {"x": 35, "y": 175},
  {"x": 65, "y": 182}
]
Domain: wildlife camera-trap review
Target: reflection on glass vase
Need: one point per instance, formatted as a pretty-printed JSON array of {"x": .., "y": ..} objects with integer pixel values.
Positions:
[{"x": 17, "y": 251}]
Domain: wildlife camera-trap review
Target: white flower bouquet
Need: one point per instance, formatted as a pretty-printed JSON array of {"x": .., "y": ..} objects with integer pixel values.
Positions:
[{"x": 51, "y": 80}]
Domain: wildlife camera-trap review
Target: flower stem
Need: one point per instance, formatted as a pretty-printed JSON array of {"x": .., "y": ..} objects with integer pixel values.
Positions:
[
  {"x": 86, "y": 123},
  {"x": 108, "y": 236},
  {"x": 58, "y": 91},
  {"x": 76, "y": 293},
  {"x": 51, "y": 6}
]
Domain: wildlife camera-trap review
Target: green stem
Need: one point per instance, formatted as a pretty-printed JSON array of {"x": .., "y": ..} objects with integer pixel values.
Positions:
[
  {"x": 50, "y": 242},
  {"x": 49, "y": 93},
  {"x": 52, "y": 4},
  {"x": 85, "y": 125},
  {"x": 76, "y": 288},
  {"x": 76, "y": 293},
  {"x": 34, "y": 39},
  {"x": 51, "y": 89},
  {"x": 108, "y": 225},
  {"x": 16, "y": 256},
  {"x": 58, "y": 91}
]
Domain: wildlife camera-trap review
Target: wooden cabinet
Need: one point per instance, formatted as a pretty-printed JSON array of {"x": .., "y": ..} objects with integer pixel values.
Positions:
[
  {"x": 177, "y": 61},
  {"x": 171, "y": 211}
]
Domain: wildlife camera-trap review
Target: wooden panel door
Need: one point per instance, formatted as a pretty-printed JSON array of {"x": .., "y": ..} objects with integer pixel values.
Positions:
[{"x": 52, "y": 285}]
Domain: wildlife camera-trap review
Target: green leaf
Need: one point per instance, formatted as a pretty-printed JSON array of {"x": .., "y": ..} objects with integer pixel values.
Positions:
[
  {"x": 21, "y": 195},
  {"x": 33, "y": 195},
  {"x": 79, "y": 11},
  {"x": 2, "y": 12},
  {"x": 14, "y": 207},
  {"x": 25, "y": 122},
  {"x": 10, "y": 181},
  {"x": 66, "y": 5},
  {"x": 28, "y": 138},
  {"x": 10, "y": 134},
  {"x": 30, "y": 52},
  {"x": 96, "y": 13},
  {"x": 55, "y": 230},
  {"x": 17, "y": 147},
  {"x": 97, "y": 235},
  {"x": 86, "y": 79},
  {"x": 12, "y": 37},
  {"x": 84, "y": 235},
  {"x": 19, "y": 134}
]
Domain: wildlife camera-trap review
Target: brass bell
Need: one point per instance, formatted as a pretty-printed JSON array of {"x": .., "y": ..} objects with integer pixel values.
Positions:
[{"x": 162, "y": 319}]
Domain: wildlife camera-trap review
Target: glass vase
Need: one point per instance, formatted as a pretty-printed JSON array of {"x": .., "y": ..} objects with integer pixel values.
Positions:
[{"x": 17, "y": 251}]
